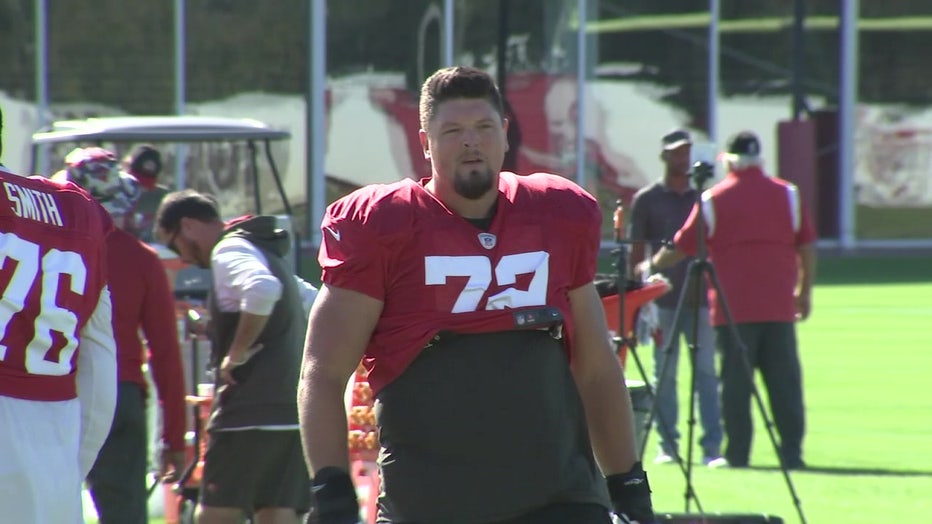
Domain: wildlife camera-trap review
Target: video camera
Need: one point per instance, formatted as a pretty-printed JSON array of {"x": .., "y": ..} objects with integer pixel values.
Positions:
[{"x": 702, "y": 162}]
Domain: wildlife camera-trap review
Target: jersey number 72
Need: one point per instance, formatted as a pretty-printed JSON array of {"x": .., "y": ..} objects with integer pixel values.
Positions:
[{"x": 482, "y": 275}]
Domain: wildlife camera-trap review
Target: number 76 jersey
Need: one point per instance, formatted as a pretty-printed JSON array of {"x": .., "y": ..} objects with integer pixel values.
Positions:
[
  {"x": 52, "y": 271},
  {"x": 434, "y": 271}
]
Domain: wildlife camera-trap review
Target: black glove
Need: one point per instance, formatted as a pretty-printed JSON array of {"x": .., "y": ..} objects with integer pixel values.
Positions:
[
  {"x": 630, "y": 494},
  {"x": 335, "y": 498}
]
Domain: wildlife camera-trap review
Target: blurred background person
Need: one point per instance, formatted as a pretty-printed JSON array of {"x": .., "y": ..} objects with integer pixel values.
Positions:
[
  {"x": 760, "y": 240},
  {"x": 657, "y": 212},
  {"x": 142, "y": 300},
  {"x": 144, "y": 163}
]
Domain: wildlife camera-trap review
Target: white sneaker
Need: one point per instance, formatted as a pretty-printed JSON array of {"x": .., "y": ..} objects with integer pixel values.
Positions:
[
  {"x": 663, "y": 458},
  {"x": 715, "y": 462}
]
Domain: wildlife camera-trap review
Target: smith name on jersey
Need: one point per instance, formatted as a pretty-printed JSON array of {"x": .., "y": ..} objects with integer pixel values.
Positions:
[{"x": 51, "y": 274}]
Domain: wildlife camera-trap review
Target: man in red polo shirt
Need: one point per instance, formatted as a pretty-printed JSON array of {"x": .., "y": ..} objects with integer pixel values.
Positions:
[{"x": 759, "y": 239}]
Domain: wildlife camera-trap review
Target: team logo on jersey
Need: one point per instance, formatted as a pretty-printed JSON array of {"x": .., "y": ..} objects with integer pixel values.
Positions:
[{"x": 487, "y": 240}]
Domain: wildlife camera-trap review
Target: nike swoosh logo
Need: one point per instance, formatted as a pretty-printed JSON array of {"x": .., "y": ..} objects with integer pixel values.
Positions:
[{"x": 333, "y": 232}]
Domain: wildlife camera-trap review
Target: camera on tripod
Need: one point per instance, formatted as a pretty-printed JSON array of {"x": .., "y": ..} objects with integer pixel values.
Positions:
[
  {"x": 701, "y": 172},
  {"x": 702, "y": 162}
]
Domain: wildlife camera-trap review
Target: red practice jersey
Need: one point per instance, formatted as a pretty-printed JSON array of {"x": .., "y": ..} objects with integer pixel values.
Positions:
[
  {"x": 435, "y": 271},
  {"x": 52, "y": 271}
]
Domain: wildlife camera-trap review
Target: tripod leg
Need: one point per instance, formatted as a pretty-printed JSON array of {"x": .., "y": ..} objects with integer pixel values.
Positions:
[
  {"x": 643, "y": 426},
  {"x": 665, "y": 377},
  {"x": 706, "y": 383},
  {"x": 743, "y": 351}
]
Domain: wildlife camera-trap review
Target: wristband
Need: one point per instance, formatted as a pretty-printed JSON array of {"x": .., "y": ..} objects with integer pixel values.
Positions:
[
  {"x": 630, "y": 494},
  {"x": 335, "y": 495}
]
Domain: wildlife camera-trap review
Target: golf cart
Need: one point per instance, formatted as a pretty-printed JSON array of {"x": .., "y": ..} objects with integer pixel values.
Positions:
[
  {"x": 230, "y": 158},
  {"x": 219, "y": 156}
]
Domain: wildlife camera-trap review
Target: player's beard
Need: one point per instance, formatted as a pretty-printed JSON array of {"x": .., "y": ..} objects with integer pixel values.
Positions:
[{"x": 474, "y": 183}]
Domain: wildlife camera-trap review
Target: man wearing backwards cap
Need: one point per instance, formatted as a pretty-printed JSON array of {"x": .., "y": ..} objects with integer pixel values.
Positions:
[
  {"x": 141, "y": 299},
  {"x": 759, "y": 238},
  {"x": 144, "y": 163},
  {"x": 657, "y": 212}
]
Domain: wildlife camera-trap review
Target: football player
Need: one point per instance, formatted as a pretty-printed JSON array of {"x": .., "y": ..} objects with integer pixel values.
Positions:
[
  {"x": 57, "y": 354},
  {"x": 469, "y": 296}
]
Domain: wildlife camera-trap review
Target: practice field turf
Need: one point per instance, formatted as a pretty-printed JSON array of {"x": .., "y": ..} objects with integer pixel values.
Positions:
[
  {"x": 867, "y": 360},
  {"x": 867, "y": 357}
]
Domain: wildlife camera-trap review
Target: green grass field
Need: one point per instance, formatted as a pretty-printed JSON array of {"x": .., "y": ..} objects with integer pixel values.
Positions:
[
  {"x": 866, "y": 352},
  {"x": 866, "y": 356}
]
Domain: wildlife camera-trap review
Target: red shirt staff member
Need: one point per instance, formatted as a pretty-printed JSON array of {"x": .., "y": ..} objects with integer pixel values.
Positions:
[
  {"x": 759, "y": 238},
  {"x": 57, "y": 354},
  {"x": 455, "y": 289},
  {"x": 141, "y": 299}
]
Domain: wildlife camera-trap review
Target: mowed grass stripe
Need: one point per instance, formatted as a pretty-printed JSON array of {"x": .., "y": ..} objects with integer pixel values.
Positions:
[{"x": 867, "y": 363}]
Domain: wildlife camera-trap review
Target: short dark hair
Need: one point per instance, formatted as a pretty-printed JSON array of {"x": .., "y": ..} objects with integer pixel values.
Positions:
[
  {"x": 744, "y": 143},
  {"x": 457, "y": 82},
  {"x": 186, "y": 203}
]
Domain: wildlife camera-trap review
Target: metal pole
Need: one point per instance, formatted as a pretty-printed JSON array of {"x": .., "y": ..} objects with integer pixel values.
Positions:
[
  {"x": 431, "y": 14},
  {"x": 180, "y": 88},
  {"x": 581, "y": 94},
  {"x": 448, "y": 16},
  {"x": 799, "y": 43},
  {"x": 316, "y": 133},
  {"x": 846, "y": 121},
  {"x": 42, "y": 85},
  {"x": 712, "y": 102},
  {"x": 502, "y": 51}
]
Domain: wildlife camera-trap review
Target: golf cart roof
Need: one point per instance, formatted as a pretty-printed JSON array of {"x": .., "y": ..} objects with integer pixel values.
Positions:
[{"x": 178, "y": 128}]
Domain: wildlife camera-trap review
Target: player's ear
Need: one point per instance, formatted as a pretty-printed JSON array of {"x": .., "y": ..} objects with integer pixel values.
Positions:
[
  {"x": 185, "y": 225},
  {"x": 425, "y": 144}
]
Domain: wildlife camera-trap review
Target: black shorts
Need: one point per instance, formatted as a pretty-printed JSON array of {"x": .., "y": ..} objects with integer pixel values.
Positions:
[{"x": 254, "y": 469}]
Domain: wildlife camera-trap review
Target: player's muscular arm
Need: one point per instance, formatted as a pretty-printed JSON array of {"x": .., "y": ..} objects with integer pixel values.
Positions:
[
  {"x": 340, "y": 325},
  {"x": 601, "y": 384}
]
